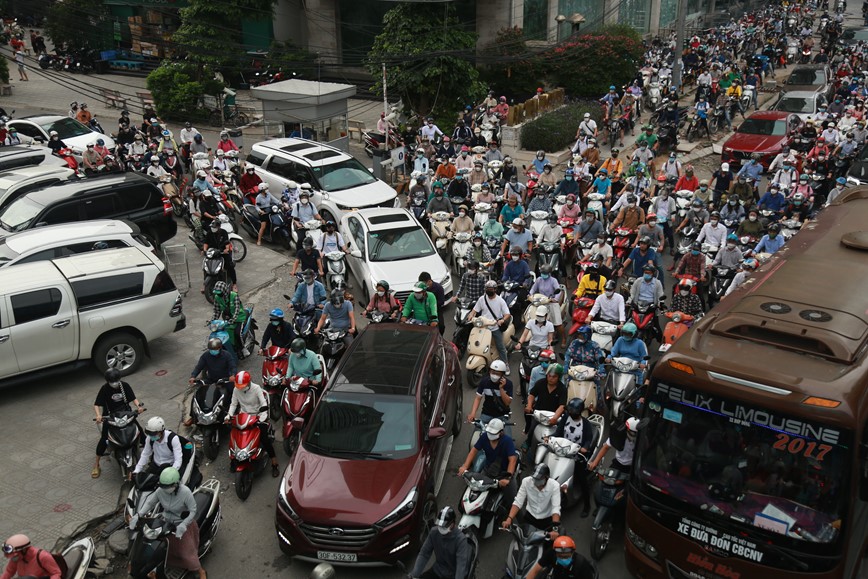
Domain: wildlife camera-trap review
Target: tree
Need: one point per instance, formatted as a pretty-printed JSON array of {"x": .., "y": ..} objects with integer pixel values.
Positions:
[
  {"x": 80, "y": 24},
  {"x": 428, "y": 56},
  {"x": 177, "y": 94},
  {"x": 509, "y": 66}
]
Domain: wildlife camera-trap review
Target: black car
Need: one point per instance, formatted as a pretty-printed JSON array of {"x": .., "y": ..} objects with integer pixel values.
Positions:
[{"x": 126, "y": 196}]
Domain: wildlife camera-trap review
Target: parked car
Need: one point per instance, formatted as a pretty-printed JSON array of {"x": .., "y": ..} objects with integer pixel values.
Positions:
[
  {"x": 100, "y": 307},
  {"x": 362, "y": 487},
  {"x": 858, "y": 173},
  {"x": 810, "y": 77},
  {"x": 75, "y": 135},
  {"x": 16, "y": 182},
  {"x": 16, "y": 156},
  {"x": 763, "y": 132},
  {"x": 390, "y": 244},
  {"x": 129, "y": 196},
  {"x": 55, "y": 241},
  {"x": 339, "y": 182},
  {"x": 802, "y": 103}
]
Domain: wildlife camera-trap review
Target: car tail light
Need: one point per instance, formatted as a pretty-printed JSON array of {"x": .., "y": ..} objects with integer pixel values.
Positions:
[
  {"x": 167, "y": 206},
  {"x": 177, "y": 308}
]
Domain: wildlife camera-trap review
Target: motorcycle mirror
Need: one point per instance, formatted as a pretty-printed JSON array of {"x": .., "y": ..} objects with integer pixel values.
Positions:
[
  {"x": 356, "y": 253},
  {"x": 298, "y": 423},
  {"x": 286, "y": 297}
]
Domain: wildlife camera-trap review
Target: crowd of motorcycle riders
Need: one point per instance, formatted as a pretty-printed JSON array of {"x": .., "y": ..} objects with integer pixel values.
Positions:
[{"x": 607, "y": 220}]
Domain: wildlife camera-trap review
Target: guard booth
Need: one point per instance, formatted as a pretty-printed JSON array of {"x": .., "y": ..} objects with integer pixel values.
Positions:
[{"x": 308, "y": 109}]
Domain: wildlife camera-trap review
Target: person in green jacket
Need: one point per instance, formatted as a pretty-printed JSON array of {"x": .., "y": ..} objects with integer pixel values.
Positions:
[
  {"x": 227, "y": 306},
  {"x": 420, "y": 305}
]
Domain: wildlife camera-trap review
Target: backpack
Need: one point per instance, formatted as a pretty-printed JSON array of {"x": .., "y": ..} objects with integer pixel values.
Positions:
[
  {"x": 58, "y": 560},
  {"x": 187, "y": 447}
]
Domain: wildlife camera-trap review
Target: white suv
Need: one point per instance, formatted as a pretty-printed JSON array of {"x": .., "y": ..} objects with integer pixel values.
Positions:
[{"x": 339, "y": 182}]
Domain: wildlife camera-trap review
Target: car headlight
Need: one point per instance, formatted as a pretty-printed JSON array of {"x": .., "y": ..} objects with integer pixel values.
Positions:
[
  {"x": 283, "y": 501},
  {"x": 853, "y": 181},
  {"x": 402, "y": 510},
  {"x": 446, "y": 279}
]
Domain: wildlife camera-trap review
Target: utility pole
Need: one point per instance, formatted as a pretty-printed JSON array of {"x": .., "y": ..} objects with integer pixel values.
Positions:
[
  {"x": 679, "y": 43},
  {"x": 385, "y": 107}
]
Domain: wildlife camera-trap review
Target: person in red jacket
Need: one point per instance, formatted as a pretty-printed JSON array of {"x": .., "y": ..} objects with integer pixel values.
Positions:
[
  {"x": 250, "y": 182},
  {"x": 25, "y": 560},
  {"x": 226, "y": 144},
  {"x": 688, "y": 180}
]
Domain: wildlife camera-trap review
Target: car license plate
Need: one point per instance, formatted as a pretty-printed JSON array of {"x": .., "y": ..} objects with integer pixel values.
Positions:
[{"x": 331, "y": 556}]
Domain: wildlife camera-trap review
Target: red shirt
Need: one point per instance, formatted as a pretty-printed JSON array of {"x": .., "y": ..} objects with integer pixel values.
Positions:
[
  {"x": 249, "y": 182},
  {"x": 689, "y": 183},
  {"x": 226, "y": 146},
  {"x": 32, "y": 562}
]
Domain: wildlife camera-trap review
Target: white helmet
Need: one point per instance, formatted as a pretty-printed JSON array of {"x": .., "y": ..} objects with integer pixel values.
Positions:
[
  {"x": 220, "y": 152},
  {"x": 52, "y": 134},
  {"x": 498, "y": 366},
  {"x": 632, "y": 425},
  {"x": 263, "y": 186},
  {"x": 292, "y": 185},
  {"x": 542, "y": 311},
  {"x": 201, "y": 174},
  {"x": 155, "y": 425}
]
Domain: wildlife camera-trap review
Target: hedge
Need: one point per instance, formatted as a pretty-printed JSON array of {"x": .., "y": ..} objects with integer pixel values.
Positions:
[{"x": 556, "y": 130}]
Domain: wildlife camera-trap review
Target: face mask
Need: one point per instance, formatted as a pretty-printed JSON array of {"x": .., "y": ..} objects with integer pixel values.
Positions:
[
  {"x": 492, "y": 437},
  {"x": 564, "y": 562},
  {"x": 461, "y": 214},
  {"x": 443, "y": 530},
  {"x": 308, "y": 281},
  {"x": 684, "y": 292},
  {"x": 490, "y": 293},
  {"x": 544, "y": 275},
  {"x": 694, "y": 252},
  {"x": 628, "y": 338},
  {"x": 477, "y": 243},
  {"x": 115, "y": 384},
  {"x": 213, "y": 352},
  {"x": 703, "y": 188},
  {"x": 540, "y": 319},
  {"x": 300, "y": 354},
  {"x": 381, "y": 293},
  {"x": 275, "y": 322},
  {"x": 772, "y": 235},
  {"x": 646, "y": 277},
  {"x": 494, "y": 378},
  {"x": 568, "y": 178},
  {"x": 570, "y": 202},
  {"x": 419, "y": 295},
  {"x": 652, "y": 224},
  {"x": 752, "y": 218},
  {"x": 305, "y": 201},
  {"x": 477, "y": 169},
  {"x": 797, "y": 202},
  {"x": 515, "y": 258},
  {"x": 713, "y": 222},
  {"x": 610, "y": 293},
  {"x": 154, "y": 437}
]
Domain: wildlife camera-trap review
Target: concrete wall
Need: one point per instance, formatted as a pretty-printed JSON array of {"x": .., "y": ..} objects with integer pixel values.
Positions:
[
  {"x": 492, "y": 16},
  {"x": 289, "y": 22}
]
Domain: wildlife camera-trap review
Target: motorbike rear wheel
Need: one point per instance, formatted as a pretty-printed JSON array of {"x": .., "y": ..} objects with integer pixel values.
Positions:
[
  {"x": 210, "y": 444},
  {"x": 473, "y": 379},
  {"x": 239, "y": 250},
  {"x": 600, "y": 541},
  {"x": 243, "y": 484},
  {"x": 290, "y": 445}
]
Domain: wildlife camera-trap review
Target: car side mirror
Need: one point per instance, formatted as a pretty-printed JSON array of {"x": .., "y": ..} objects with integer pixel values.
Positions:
[
  {"x": 39, "y": 139},
  {"x": 298, "y": 423},
  {"x": 356, "y": 253},
  {"x": 436, "y": 432}
]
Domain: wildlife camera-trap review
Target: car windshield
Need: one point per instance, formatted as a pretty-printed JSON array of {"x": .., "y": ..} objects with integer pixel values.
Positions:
[
  {"x": 398, "y": 244},
  {"x": 778, "y": 476},
  {"x": 366, "y": 425},
  {"x": 764, "y": 127},
  {"x": 66, "y": 128},
  {"x": 853, "y": 34},
  {"x": 807, "y": 76},
  {"x": 343, "y": 175},
  {"x": 795, "y": 105},
  {"x": 17, "y": 215}
]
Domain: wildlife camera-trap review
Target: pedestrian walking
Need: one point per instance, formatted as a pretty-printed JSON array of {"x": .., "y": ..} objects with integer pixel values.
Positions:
[{"x": 19, "y": 60}]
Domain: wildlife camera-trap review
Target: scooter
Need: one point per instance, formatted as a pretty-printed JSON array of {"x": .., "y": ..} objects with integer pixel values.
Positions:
[
  {"x": 482, "y": 505},
  {"x": 481, "y": 349},
  {"x": 210, "y": 404},
  {"x": 248, "y": 335},
  {"x": 610, "y": 495},
  {"x": 460, "y": 245},
  {"x": 480, "y": 213},
  {"x": 542, "y": 429},
  {"x": 529, "y": 361},
  {"x": 201, "y": 161},
  {"x": 677, "y": 327},
  {"x": 150, "y": 545},
  {"x": 276, "y": 229},
  {"x": 67, "y": 155},
  {"x": 78, "y": 556},
  {"x": 621, "y": 246},
  {"x": 537, "y": 300},
  {"x": 581, "y": 308},
  {"x": 239, "y": 247},
  {"x": 550, "y": 254},
  {"x": 566, "y": 461},
  {"x": 212, "y": 267},
  {"x": 583, "y": 384},
  {"x": 298, "y": 401},
  {"x": 333, "y": 347},
  {"x": 595, "y": 204},
  {"x": 274, "y": 368},
  {"x": 536, "y": 222},
  {"x": 461, "y": 335},
  {"x": 527, "y": 547},
  {"x": 123, "y": 439},
  {"x": 688, "y": 236},
  {"x": 440, "y": 221},
  {"x": 720, "y": 281},
  {"x": 173, "y": 194},
  {"x": 247, "y": 456},
  {"x": 604, "y": 334},
  {"x": 515, "y": 296},
  {"x": 621, "y": 384},
  {"x": 336, "y": 270},
  {"x": 146, "y": 482},
  {"x": 643, "y": 315},
  {"x": 304, "y": 322}
]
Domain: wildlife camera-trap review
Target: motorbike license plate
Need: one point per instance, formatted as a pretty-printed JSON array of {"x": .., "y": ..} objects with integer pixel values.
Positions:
[{"x": 332, "y": 556}]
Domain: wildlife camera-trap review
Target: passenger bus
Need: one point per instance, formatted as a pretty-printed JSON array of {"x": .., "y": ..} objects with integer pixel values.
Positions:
[{"x": 753, "y": 462}]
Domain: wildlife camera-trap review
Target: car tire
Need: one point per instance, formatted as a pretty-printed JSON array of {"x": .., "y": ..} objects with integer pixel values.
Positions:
[
  {"x": 459, "y": 414},
  {"x": 427, "y": 517},
  {"x": 119, "y": 349}
]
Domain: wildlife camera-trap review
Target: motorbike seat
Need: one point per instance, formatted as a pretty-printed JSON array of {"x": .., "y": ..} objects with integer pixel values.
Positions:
[
  {"x": 595, "y": 437},
  {"x": 73, "y": 561},
  {"x": 203, "y": 503}
]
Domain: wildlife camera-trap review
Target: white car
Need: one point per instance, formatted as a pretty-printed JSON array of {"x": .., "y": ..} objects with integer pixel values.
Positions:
[
  {"x": 16, "y": 182},
  {"x": 338, "y": 181},
  {"x": 55, "y": 241},
  {"x": 389, "y": 244},
  {"x": 803, "y": 103},
  {"x": 74, "y": 135}
]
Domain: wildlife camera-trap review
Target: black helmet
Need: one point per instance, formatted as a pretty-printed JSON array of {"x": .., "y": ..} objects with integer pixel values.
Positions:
[
  {"x": 330, "y": 223},
  {"x": 774, "y": 227},
  {"x": 610, "y": 285},
  {"x": 545, "y": 269},
  {"x": 308, "y": 242},
  {"x": 298, "y": 345},
  {"x": 112, "y": 375},
  {"x": 575, "y": 407},
  {"x": 473, "y": 264},
  {"x": 337, "y": 297},
  {"x": 715, "y": 214},
  {"x": 446, "y": 517},
  {"x": 541, "y": 472},
  {"x": 631, "y": 199},
  {"x": 645, "y": 239}
]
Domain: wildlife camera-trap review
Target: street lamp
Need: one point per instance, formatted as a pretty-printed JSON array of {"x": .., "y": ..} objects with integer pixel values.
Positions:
[
  {"x": 576, "y": 20},
  {"x": 560, "y": 19}
]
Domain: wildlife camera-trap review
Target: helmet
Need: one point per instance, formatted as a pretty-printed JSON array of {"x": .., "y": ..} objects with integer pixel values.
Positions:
[
  {"x": 632, "y": 424},
  {"x": 750, "y": 264},
  {"x": 541, "y": 472},
  {"x": 330, "y": 223},
  {"x": 16, "y": 543},
  {"x": 323, "y": 571},
  {"x": 615, "y": 150},
  {"x": 264, "y": 187},
  {"x": 610, "y": 285},
  {"x": 494, "y": 426},
  {"x": 576, "y": 406},
  {"x": 629, "y": 329},
  {"x": 651, "y": 216},
  {"x": 686, "y": 283},
  {"x": 112, "y": 375},
  {"x": 542, "y": 310},
  {"x": 446, "y": 517},
  {"x": 548, "y": 355},
  {"x": 489, "y": 283},
  {"x": 170, "y": 476},
  {"x": 564, "y": 544},
  {"x": 337, "y": 296},
  {"x": 276, "y": 314},
  {"x": 155, "y": 425},
  {"x": 473, "y": 265},
  {"x": 155, "y": 160},
  {"x": 645, "y": 239},
  {"x": 545, "y": 269},
  {"x": 798, "y": 197},
  {"x": 696, "y": 245},
  {"x": 308, "y": 242},
  {"x": 714, "y": 214},
  {"x": 498, "y": 366},
  {"x": 201, "y": 174},
  {"x": 732, "y": 237},
  {"x": 584, "y": 334},
  {"x": 52, "y": 134},
  {"x": 555, "y": 369},
  {"x": 215, "y": 344},
  {"x": 384, "y": 284},
  {"x": 298, "y": 345},
  {"x": 220, "y": 152},
  {"x": 242, "y": 379}
]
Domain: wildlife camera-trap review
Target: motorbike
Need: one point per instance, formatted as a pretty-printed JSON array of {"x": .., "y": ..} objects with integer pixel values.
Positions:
[
  {"x": 582, "y": 383},
  {"x": 692, "y": 129},
  {"x": 747, "y": 97},
  {"x": 123, "y": 439},
  {"x": 419, "y": 208},
  {"x": 541, "y": 430},
  {"x": 526, "y": 548},
  {"x": 201, "y": 161},
  {"x": 529, "y": 361},
  {"x": 304, "y": 322},
  {"x": 792, "y": 50},
  {"x": 336, "y": 270},
  {"x": 173, "y": 194},
  {"x": 274, "y": 367},
  {"x": 440, "y": 222},
  {"x": 581, "y": 308},
  {"x": 688, "y": 236},
  {"x": 653, "y": 96},
  {"x": 677, "y": 327},
  {"x": 247, "y": 456},
  {"x": 482, "y": 506},
  {"x": 461, "y": 335},
  {"x": 667, "y": 136},
  {"x": 276, "y": 229},
  {"x": 604, "y": 334},
  {"x": 805, "y": 56},
  {"x": 515, "y": 296},
  {"x": 716, "y": 118},
  {"x": 212, "y": 267},
  {"x": 79, "y": 556},
  {"x": 239, "y": 247},
  {"x": 643, "y": 314},
  {"x": 538, "y": 300},
  {"x": 789, "y": 227},
  {"x": 566, "y": 461},
  {"x": 621, "y": 246},
  {"x": 332, "y": 347},
  {"x": 210, "y": 404},
  {"x": 610, "y": 495},
  {"x": 67, "y": 155},
  {"x": 150, "y": 545},
  {"x": 298, "y": 401},
  {"x": 480, "y": 213},
  {"x": 550, "y": 254},
  {"x": 595, "y": 204},
  {"x": 622, "y": 384},
  {"x": 481, "y": 349},
  {"x": 720, "y": 281},
  {"x": 460, "y": 245},
  {"x": 613, "y": 128},
  {"x": 536, "y": 222}
]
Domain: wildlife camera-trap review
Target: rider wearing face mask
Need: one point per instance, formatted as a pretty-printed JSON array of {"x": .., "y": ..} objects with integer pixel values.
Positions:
[
  {"x": 729, "y": 255},
  {"x": 516, "y": 269},
  {"x": 384, "y": 301},
  {"x": 162, "y": 448},
  {"x": 439, "y": 201},
  {"x": 303, "y": 362},
  {"x": 340, "y": 312},
  {"x": 609, "y": 306},
  {"x": 450, "y": 547},
  {"x": 248, "y": 397},
  {"x": 562, "y": 561},
  {"x": 216, "y": 362},
  {"x": 421, "y": 305},
  {"x": 539, "y": 332},
  {"x": 462, "y": 223},
  {"x": 278, "y": 331},
  {"x": 713, "y": 232},
  {"x": 685, "y": 300},
  {"x": 114, "y": 396},
  {"x": 751, "y": 227},
  {"x": 309, "y": 293},
  {"x": 25, "y": 560},
  {"x": 549, "y": 286}
]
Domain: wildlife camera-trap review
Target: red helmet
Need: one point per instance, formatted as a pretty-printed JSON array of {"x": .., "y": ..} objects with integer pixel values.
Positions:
[
  {"x": 242, "y": 379},
  {"x": 661, "y": 178},
  {"x": 564, "y": 544},
  {"x": 547, "y": 355}
]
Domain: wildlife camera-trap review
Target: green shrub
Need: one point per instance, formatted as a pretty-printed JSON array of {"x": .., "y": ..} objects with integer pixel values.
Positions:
[
  {"x": 556, "y": 130},
  {"x": 176, "y": 95},
  {"x": 4, "y": 70}
]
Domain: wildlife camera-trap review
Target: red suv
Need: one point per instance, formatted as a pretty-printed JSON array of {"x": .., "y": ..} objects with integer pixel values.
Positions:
[
  {"x": 362, "y": 486},
  {"x": 764, "y": 132}
]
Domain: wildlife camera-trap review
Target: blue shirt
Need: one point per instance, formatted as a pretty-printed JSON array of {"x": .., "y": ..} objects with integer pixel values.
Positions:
[
  {"x": 769, "y": 245},
  {"x": 505, "y": 449},
  {"x": 635, "y": 349},
  {"x": 510, "y": 213},
  {"x": 646, "y": 290},
  {"x": 548, "y": 287},
  {"x": 520, "y": 239},
  {"x": 602, "y": 185},
  {"x": 638, "y": 261},
  {"x": 751, "y": 170},
  {"x": 776, "y": 202},
  {"x": 300, "y": 296},
  {"x": 204, "y": 185},
  {"x": 516, "y": 271},
  {"x": 539, "y": 165},
  {"x": 340, "y": 315},
  {"x": 303, "y": 212}
]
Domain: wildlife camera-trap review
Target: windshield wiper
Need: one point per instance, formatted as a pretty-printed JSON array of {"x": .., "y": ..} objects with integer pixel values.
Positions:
[
  {"x": 373, "y": 455},
  {"x": 403, "y": 257}
]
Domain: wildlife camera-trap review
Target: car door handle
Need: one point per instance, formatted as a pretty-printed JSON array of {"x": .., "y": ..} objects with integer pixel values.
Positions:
[
  {"x": 60, "y": 324},
  {"x": 3, "y": 339},
  {"x": 442, "y": 419}
]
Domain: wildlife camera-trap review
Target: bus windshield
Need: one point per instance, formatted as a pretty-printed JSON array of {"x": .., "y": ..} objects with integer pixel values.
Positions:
[{"x": 780, "y": 477}]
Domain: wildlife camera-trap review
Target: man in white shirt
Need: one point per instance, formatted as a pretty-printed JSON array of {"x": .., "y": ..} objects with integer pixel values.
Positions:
[
  {"x": 712, "y": 232},
  {"x": 588, "y": 126},
  {"x": 609, "y": 305},
  {"x": 331, "y": 240},
  {"x": 162, "y": 448},
  {"x": 429, "y": 130},
  {"x": 493, "y": 306},
  {"x": 187, "y": 133},
  {"x": 541, "y": 496}
]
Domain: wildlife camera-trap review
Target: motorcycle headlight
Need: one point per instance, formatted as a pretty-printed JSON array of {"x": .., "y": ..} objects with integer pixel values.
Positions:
[
  {"x": 402, "y": 510},
  {"x": 242, "y": 455},
  {"x": 152, "y": 533}
]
